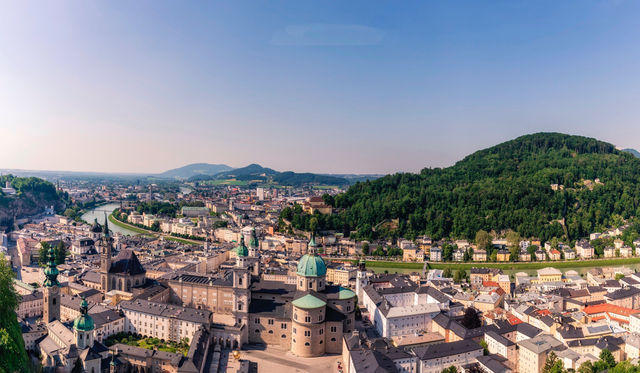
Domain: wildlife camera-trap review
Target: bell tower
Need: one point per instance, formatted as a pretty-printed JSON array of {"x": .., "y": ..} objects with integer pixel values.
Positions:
[
  {"x": 105, "y": 257},
  {"x": 51, "y": 290}
]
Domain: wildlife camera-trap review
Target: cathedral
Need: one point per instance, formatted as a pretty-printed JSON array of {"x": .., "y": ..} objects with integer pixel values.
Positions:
[{"x": 124, "y": 272}]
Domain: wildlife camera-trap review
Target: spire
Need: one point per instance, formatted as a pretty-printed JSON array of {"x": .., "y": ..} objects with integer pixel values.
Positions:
[
  {"x": 51, "y": 272},
  {"x": 312, "y": 244},
  {"x": 106, "y": 225},
  {"x": 84, "y": 322}
]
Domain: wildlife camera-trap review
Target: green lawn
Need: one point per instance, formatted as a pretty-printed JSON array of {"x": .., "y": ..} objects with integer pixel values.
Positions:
[
  {"x": 508, "y": 265},
  {"x": 149, "y": 343}
]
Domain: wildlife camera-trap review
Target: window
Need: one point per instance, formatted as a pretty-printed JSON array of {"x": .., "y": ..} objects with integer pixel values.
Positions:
[
  {"x": 321, "y": 331},
  {"x": 334, "y": 329},
  {"x": 307, "y": 319},
  {"x": 306, "y": 344},
  {"x": 257, "y": 321},
  {"x": 320, "y": 342},
  {"x": 270, "y": 321},
  {"x": 320, "y": 317},
  {"x": 294, "y": 330},
  {"x": 307, "y": 333},
  {"x": 283, "y": 325},
  {"x": 270, "y": 331},
  {"x": 257, "y": 330},
  {"x": 283, "y": 336},
  {"x": 333, "y": 339}
]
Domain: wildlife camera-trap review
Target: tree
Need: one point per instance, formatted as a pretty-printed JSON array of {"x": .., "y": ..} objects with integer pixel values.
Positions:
[
  {"x": 471, "y": 320},
  {"x": 485, "y": 347},
  {"x": 446, "y": 273},
  {"x": 586, "y": 367},
  {"x": 13, "y": 357},
  {"x": 553, "y": 365},
  {"x": 365, "y": 248},
  {"x": 459, "y": 276},
  {"x": 60, "y": 253},
  {"x": 513, "y": 239},
  {"x": 482, "y": 239},
  {"x": 607, "y": 359},
  {"x": 43, "y": 253},
  {"x": 451, "y": 369}
]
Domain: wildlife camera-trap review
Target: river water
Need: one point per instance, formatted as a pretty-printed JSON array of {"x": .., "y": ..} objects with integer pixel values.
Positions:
[{"x": 99, "y": 213}]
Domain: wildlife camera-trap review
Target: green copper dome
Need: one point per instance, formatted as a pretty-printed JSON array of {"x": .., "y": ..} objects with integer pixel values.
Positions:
[
  {"x": 345, "y": 293},
  {"x": 242, "y": 250},
  {"x": 84, "y": 322},
  {"x": 309, "y": 302},
  {"x": 51, "y": 272},
  {"x": 311, "y": 265}
]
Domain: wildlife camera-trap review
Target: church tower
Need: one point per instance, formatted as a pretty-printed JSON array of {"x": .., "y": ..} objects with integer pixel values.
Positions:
[
  {"x": 51, "y": 290},
  {"x": 361, "y": 278},
  {"x": 83, "y": 327},
  {"x": 105, "y": 257},
  {"x": 241, "y": 284},
  {"x": 254, "y": 249}
]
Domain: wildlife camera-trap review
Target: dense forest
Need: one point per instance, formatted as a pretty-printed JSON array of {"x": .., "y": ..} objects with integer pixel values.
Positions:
[
  {"x": 257, "y": 173},
  {"x": 508, "y": 186}
]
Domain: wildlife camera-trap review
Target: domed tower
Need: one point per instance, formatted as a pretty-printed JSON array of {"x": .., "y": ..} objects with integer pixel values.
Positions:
[
  {"x": 241, "y": 283},
  {"x": 96, "y": 229},
  {"x": 51, "y": 290},
  {"x": 105, "y": 257},
  {"x": 312, "y": 270},
  {"x": 83, "y": 327},
  {"x": 254, "y": 246},
  {"x": 308, "y": 333}
]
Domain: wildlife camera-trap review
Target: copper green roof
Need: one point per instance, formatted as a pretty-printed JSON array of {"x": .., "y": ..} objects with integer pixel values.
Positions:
[
  {"x": 345, "y": 293},
  {"x": 242, "y": 250},
  {"x": 308, "y": 302},
  {"x": 51, "y": 272},
  {"x": 84, "y": 322},
  {"x": 311, "y": 265},
  {"x": 312, "y": 241}
]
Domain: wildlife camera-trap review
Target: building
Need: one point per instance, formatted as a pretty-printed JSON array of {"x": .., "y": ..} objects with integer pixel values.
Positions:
[
  {"x": 533, "y": 352},
  {"x": 163, "y": 321},
  {"x": 435, "y": 358},
  {"x": 549, "y": 274},
  {"x": 122, "y": 273},
  {"x": 435, "y": 254}
]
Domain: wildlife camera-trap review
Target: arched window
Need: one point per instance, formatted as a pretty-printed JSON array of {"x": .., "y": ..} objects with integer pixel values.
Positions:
[
  {"x": 333, "y": 339},
  {"x": 320, "y": 342},
  {"x": 283, "y": 336},
  {"x": 54, "y": 300},
  {"x": 307, "y": 344},
  {"x": 257, "y": 330}
]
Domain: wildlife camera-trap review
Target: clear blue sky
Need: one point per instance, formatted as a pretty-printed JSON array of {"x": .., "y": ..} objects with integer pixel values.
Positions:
[{"x": 345, "y": 86}]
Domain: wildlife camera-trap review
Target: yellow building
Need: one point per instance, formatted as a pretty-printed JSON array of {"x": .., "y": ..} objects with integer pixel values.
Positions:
[{"x": 549, "y": 274}]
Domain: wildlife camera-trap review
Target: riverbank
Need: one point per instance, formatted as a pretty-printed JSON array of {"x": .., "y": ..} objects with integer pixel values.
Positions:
[
  {"x": 112, "y": 219},
  {"x": 509, "y": 266}
]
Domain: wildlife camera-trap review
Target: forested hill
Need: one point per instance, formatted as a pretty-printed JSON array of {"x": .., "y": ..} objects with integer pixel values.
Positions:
[
  {"x": 508, "y": 186},
  {"x": 32, "y": 196}
]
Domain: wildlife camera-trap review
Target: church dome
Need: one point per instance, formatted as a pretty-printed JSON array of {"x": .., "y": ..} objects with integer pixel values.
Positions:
[
  {"x": 84, "y": 322},
  {"x": 242, "y": 250},
  {"x": 311, "y": 265},
  {"x": 96, "y": 228}
]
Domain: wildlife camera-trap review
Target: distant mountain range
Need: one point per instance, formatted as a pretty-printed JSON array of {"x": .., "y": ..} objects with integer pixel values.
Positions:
[
  {"x": 632, "y": 151},
  {"x": 256, "y": 173},
  {"x": 194, "y": 169}
]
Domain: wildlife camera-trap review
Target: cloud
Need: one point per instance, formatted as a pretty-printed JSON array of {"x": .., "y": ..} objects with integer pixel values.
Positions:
[{"x": 323, "y": 34}]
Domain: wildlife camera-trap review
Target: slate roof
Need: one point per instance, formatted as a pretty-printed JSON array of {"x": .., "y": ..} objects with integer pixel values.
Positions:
[
  {"x": 126, "y": 262},
  {"x": 446, "y": 349}
]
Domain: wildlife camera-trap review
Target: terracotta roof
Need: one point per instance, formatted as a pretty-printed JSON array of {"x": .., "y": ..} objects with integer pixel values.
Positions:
[{"x": 609, "y": 308}]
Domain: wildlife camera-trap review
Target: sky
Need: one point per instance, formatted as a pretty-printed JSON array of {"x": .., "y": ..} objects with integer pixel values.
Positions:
[{"x": 318, "y": 86}]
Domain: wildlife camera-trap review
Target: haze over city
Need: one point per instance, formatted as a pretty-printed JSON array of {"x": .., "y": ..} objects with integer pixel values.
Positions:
[{"x": 350, "y": 87}]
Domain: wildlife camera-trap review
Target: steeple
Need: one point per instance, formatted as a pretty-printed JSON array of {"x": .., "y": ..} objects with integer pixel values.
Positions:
[
  {"x": 106, "y": 225},
  {"x": 312, "y": 246},
  {"x": 51, "y": 272},
  {"x": 83, "y": 326}
]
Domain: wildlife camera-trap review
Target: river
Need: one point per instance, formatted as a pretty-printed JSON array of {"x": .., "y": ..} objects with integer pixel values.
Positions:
[{"x": 99, "y": 213}]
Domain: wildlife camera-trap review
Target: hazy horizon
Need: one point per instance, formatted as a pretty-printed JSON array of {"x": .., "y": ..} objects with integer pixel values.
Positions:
[{"x": 357, "y": 87}]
